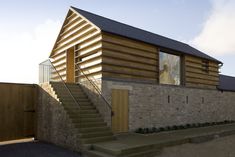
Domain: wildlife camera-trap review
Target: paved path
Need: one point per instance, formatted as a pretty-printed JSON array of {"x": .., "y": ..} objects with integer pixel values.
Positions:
[{"x": 35, "y": 149}]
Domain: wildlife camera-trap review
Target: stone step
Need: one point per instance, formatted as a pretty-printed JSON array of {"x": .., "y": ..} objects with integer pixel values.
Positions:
[
  {"x": 77, "y": 119},
  {"x": 84, "y": 124},
  {"x": 71, "y": 101},
  {"x": 92, "y": 153},
  {"x": 71, "y": 86},
  {"x": 65, "y": 92},
  {"x": 139, "y": 149},
  {"x": 147, "y": 151},
  {"x": 81, "y": 112},
  {"x": 87, "y": 107},
  {"x": 97, "y": 139},
  {"x": 77, "y": 96},
  {"x": 94, "y": 115},
  {"x": 96, "y": 134},
  {"x": 93, "y": 129}
]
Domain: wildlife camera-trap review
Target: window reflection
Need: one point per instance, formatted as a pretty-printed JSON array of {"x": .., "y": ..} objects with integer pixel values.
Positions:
[{"x": 169, "y": 69}]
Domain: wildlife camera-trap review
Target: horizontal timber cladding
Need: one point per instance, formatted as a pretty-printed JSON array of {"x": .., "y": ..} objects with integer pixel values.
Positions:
[
  {"x": 85, "y": 39},
  {"x": 201, "y": 73},
  {"x": 59, "y": 62},
  {"x": 129, "y": 59}
]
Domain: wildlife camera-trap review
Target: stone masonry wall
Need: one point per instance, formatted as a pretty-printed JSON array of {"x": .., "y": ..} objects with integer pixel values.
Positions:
[
  {"x": 162, "y": 105},
  {"x": 53, "y": 124}
]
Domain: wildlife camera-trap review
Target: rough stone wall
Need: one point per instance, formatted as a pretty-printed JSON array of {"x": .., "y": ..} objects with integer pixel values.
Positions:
[
  {"x": 53, "y": 124},
  {"x": 97, "y": 100},
  {"x": 162, "y": 105}
]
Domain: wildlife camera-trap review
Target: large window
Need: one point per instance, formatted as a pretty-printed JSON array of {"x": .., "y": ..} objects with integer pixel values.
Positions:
[{"x": 169, "y": 69}]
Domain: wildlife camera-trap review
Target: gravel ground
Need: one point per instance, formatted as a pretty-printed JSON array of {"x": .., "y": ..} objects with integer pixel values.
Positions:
[{"x": 35, "y": 149}]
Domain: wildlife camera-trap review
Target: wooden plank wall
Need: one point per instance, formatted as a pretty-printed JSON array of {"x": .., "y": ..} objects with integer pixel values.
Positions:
[
  {"x": 201, "y": 73},
  {"x": 128, "y": 59},
  {"x": 17, "y": 111},
  {"x": 79, "y": 34}
]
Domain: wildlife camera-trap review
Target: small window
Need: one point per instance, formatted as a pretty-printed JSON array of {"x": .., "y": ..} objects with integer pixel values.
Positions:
[
  {"x": 169, "y": 67},
  {"x": 205, "y": 66}
]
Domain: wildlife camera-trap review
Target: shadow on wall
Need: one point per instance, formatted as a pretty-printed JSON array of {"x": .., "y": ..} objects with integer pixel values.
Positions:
[{"x": 97, "y": 100}]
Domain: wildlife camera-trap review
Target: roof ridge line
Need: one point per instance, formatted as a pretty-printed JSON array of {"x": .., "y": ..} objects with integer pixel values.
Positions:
[{"x": 129, "y": 25}]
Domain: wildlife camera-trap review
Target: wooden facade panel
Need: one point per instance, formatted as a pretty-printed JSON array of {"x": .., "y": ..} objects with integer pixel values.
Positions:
[
  {"x": 81, "y": 29},
  {"x": 127, "y": 77},
  {"x": 198, "y": 85},
  {"x": 128, "y": 71},
  {"x": 129, "y": 57},
  {"x": 123, "y": 49},
  {"x": 201, "y": 73},
  {"x": 123, "y": 63},
  {"x": 192, "y": 59},
  {"x": 74, "y": 30},
  {"x": 201, "y": 66},
  {"x": 118, "y": 40},
  {"x": 202, "y": 76}
]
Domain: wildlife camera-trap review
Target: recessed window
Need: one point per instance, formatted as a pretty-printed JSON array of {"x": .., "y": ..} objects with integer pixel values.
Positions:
[
  {"x": 169, "y": 69},
  {"x": 205, "y": 66}
]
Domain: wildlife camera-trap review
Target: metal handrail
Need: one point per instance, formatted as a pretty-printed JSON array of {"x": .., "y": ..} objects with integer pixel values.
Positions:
[
  {"x": 96, "y": 88},
  {"x": 64, "y": 84}
]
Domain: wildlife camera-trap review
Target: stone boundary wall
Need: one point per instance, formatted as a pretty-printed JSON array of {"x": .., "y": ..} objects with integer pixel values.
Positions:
[
  {"x": 53, "y": 124},
  {"x": 152, "y": 105}
]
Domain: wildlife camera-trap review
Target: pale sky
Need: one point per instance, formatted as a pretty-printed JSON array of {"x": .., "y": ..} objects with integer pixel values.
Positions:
[{"x": 29, "y": 28}]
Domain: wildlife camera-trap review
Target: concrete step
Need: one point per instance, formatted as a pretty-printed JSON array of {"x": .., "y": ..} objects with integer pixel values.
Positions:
[
  {"x": 70, "y": 86},
  {"x": 97, "y": 139},
  {"x": 81, "y": 112},
  {"x": 77, "y": 120},
  {"x": 74, "y": 115},
  {"x": 93, "y": 129},
  {"x": 84, "y": 124},
  {"x": 96, "y": 134},
  {"x": 93, "y": 153},
  {"x": 146, "y": 151},
  {"x": 77, "y": 96},
  {"x": 66, "y": 92},
  {"x": 71, "y": 101}
]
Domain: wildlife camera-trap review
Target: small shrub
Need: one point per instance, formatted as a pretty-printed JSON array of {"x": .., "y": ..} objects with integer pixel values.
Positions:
[
  {"x": 154, "y": 129},
  {"x": 174, "y": 127},
  {"x": 161, "y": 129},
  {"x": 139, "y": 130},
  {"x": 187, "y": 126}
]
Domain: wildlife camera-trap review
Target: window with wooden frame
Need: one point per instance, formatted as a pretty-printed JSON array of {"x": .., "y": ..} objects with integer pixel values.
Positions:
[{"x": 170, "y": 69}]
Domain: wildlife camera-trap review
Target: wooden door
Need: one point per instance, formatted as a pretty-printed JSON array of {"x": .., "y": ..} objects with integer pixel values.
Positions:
[
  {"x": 120, "y": 107},
  {"x": 70, "y": 70}
]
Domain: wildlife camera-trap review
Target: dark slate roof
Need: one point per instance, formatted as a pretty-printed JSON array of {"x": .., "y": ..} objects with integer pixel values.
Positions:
[
  {"x": 226, "y": 83},
  {"x": 114, "y": 27}
]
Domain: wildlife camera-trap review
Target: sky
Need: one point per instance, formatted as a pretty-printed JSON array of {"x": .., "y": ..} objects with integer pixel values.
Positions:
[{"x": 29, "y": 28}]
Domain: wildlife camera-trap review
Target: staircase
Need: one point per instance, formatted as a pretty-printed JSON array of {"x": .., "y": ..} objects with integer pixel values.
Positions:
[{"x": 88, "y": 122}]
